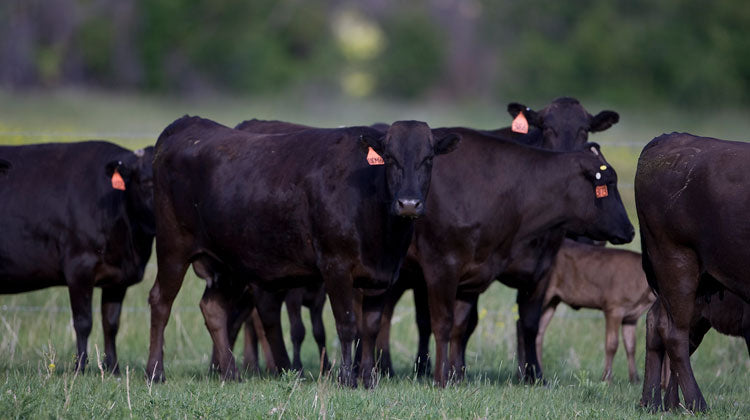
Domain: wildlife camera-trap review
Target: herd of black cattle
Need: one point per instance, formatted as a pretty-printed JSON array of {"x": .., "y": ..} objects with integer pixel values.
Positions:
[{"x": 272, "y": 212}]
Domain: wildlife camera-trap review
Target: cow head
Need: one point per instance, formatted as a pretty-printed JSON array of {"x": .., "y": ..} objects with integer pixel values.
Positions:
[
  {"x": 593, "y": 193},
  {"x": 4, "y": 166},
  {"x": 407, "y": 148},
  {"x": 136, "y": 170},
  {"x": 565, "y": 124}
]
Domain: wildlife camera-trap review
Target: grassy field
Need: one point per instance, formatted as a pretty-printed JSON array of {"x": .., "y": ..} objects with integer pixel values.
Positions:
[{"x": 36, "y": 329}]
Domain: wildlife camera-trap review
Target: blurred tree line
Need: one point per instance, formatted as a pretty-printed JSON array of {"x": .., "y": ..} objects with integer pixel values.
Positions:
[{"x": 688, "y": 53}]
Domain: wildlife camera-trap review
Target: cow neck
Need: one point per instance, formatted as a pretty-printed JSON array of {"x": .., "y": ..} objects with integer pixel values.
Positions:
[{"x": 547, "y": 205}]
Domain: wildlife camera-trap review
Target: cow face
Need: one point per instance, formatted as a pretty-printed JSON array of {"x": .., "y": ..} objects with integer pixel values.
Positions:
[
  {"x": 136, "y": 171},
  {"x": 564, "y": 123},
  {"x": 595, "y": 194},
  {"x": 408, "y": 148}
]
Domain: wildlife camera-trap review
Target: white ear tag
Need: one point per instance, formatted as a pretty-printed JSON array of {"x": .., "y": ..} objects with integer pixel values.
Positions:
[
  {"x": 594, "y": 151},
  {"x": 598, "y": 175}
]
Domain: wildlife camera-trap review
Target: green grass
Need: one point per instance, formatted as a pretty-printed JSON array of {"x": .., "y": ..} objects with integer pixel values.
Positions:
[{"x": 36, "y": 328}]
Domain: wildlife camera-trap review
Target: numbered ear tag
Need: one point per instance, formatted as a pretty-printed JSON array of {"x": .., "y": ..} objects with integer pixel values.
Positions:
[
  {"x": 520, "y": 125},
  {"x": 601, "y": 191},
  {"x": 117, "y": 182},
  {"x": 373, "y": 158}
]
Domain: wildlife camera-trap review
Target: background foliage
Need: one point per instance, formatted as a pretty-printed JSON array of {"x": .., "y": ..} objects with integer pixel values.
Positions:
[{"x": 686, "y": 53}]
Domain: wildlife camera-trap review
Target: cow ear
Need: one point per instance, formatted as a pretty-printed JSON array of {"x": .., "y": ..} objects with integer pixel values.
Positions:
[
  {"x": 514, "y": 108},
  {"x": 376, "y": 141},
  {"x": 603, "y": 121},
  {"x": 447, "y": 143},
  {"x": 4, "y": 166}
]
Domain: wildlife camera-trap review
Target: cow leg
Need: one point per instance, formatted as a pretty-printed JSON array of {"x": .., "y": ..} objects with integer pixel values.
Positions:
[
  {"x": 471, "y": 324},
  {"x": 250, "y": 351},
  {"x": 544, "y": 321},
  {"x": 651, "y": 396},
  {"x": 442, "y": 287},
  {"x": 269, "y": 310},
  {"x": 293, "y": 302},
  {"x": 530, "y": 312},
  {"x": 240, "y": 312},
  {"x": 372, "y": 310},
  {"x": 679, "y": 296},
  {"x": 341, "y": 294},
  {"x": 424, "y": 328},
  {"x": 383, "y": 340},
  {"x": 700, "y": 327},
  {"x": 169, "y": 277},
  {"x": 80, "y": 302},
  {"x": 461, "y": 314},
  {"x": 612, "y": 330},
  {"x": 628, "y": 339},
  {"x": 112, "y": 298},
  {"x": 319, "y": 331},
  {"x": 216, "y": 306}
]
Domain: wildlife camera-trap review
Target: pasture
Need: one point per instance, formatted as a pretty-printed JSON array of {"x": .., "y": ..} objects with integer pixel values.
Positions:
[{"x": 37, "y": 341}]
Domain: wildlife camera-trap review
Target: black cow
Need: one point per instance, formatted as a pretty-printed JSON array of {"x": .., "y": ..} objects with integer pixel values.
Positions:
[
  {"x": 64, "y": 224},
  {"x": 692, "y": 200},
  {"x": 562, "y": 125},
  {"x": 488, "y": 199},
  {"x": 278, "y": 210}
]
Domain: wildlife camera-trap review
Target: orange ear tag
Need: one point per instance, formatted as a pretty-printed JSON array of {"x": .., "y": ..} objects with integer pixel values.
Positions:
[
  {"x": 601, "y": 191},
  {"x": 117, "y": 182},
  {"x": 520, "y": 125},
  {"x": 373, "y": 158}
]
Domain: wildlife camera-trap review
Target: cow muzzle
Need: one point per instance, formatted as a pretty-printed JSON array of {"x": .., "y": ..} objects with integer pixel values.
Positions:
[{"x": 409, "y": 207}]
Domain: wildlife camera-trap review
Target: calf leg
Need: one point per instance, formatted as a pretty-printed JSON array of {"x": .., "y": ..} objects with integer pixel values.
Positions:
[
  {"x": 112, "y": 298},
  {"x": 80, "y": 302},
  {"x": 628, "y": 339},
  {"x": 293, "y": 302},
  {"x": 216, "y": 306},
  {"x": 242, "y": 304},
  {"x": 613, "y": 322},
  {"x": 544, "y": 321}
]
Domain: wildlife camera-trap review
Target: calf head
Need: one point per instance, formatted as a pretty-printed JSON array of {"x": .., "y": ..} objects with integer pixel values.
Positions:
[
  {"x": 565, "y": 123},
  {"x": 594, "y": 196},
  {"x": 408, "y": 148},
  {"x": 136, "y": 171}
]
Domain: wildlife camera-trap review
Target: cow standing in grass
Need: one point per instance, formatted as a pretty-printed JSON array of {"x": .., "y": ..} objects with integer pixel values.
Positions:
[
  {"x": 693, "y": 200},
  {"x": 77, "y": 215},
  {"x": 279, "y": 210},
  {"x": 562, "y": 125}
]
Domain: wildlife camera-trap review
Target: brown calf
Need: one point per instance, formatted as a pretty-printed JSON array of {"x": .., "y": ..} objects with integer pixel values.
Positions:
[{"x": 589, "y": 276}]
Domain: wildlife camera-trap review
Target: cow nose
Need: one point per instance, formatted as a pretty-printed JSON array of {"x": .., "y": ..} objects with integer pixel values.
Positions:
[{"x": 409, "y": 207}]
